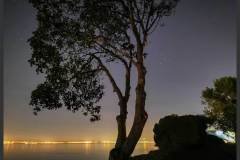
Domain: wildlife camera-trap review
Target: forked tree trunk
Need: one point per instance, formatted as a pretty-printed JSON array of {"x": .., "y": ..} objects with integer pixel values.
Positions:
[
  {"x": 124, "y": 150},
  {"x": 140, "y": 116}
]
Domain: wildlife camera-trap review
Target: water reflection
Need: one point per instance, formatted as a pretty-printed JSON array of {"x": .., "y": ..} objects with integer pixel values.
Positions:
[{"x": 64, "y": 151}]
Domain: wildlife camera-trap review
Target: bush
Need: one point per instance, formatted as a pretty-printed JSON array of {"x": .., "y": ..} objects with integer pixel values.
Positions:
[{"x": 173, "y": 132}]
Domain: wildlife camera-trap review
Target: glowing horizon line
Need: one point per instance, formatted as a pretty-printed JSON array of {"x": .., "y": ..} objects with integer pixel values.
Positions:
[{"x": 67, "y": 142}]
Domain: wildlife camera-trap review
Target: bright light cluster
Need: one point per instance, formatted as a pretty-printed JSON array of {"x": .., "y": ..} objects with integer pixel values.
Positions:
[{"x": 67, "y": 142}]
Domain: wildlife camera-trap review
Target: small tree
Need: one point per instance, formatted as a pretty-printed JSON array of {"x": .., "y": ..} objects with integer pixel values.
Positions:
[
  {"x": 221, "y": 104},
  {"x": 74, "y": 41}
]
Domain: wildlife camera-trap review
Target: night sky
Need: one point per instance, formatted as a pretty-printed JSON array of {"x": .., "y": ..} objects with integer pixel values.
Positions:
[{"x": 196, "y": 46}]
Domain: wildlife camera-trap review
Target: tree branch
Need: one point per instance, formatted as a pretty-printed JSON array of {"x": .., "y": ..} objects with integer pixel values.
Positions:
[
  {"x": 133, "y": 25},
  {"x": 140, "y": 20},
  {"x": 113, "y": 54},
  {"x": 128, "y": 82},
  {"x": 109, "y": 75}
]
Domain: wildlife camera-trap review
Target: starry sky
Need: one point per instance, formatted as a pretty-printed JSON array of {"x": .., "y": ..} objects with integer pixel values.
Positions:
[{"x": 196, "y": 46}]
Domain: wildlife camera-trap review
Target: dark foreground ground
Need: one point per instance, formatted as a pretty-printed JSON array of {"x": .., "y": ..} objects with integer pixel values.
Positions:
[{"x": 213, "y": 149}]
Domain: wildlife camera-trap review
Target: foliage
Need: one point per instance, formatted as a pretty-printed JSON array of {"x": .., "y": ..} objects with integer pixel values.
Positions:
[
  {"x": 221, "y": 104},
  {"x": 74, "y": 41},
  {"x": 173, "y": 132}
]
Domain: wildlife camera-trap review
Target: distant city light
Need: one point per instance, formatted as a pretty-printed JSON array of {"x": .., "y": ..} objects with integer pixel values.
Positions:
[
  {"x": 67, "y": 142},
  {"x": 219, "y": 133},
  {"x": 228, "y": 137}
]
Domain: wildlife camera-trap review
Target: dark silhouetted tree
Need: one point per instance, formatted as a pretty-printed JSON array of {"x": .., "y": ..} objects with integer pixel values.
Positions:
[
  {"x": 74, "y": 41},
  {"x": 221, "y": 103}
]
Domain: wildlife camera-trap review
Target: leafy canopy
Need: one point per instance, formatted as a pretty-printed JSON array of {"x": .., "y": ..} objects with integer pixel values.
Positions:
[
  {"x": 76, "y": 38},
  {"x": 221, "y": 104}
]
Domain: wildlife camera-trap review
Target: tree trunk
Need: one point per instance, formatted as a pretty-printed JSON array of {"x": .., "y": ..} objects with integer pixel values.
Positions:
[
  {"x": 115, "y": 153},
  {"x": 121, "y": 122},
  {"x": 140, "y": 116},
  {"x": 125, "y": 150}
]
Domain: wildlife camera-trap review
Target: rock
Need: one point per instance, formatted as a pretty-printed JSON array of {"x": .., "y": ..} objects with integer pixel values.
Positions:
[
  {"x": 221, "y": 151},
  {"x": 185, "y": 137},
  {"x": 173, "y": 132}
]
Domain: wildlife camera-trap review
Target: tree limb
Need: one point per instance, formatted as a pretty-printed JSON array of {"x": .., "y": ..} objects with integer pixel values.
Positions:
[
  {"x": 128, "y": 82},
  {"x": 134, "y": 27},
  {"x": 109, "y": 75}
]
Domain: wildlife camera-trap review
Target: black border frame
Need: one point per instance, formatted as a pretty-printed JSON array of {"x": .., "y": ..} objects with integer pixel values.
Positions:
[
  {"x": 1, "y": 76},
  {"x": 238, "y": 81},
  {"x": 2, "y": 84}
]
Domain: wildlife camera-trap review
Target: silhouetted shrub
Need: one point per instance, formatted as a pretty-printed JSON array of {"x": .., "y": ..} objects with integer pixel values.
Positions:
[{"x": 173, "y": 132}]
